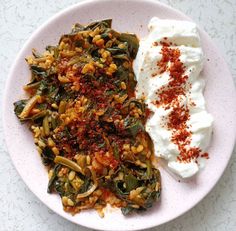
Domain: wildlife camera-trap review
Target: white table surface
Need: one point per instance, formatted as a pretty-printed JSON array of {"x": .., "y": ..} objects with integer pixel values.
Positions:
[{"x": 20, "y": 209}]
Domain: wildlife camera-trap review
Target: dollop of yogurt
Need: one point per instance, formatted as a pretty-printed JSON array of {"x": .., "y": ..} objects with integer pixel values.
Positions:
[{"x": 184, "y": 36}]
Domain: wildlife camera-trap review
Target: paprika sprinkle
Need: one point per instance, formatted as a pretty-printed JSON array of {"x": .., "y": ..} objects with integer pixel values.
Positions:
[{"x": 170, "y": 98}]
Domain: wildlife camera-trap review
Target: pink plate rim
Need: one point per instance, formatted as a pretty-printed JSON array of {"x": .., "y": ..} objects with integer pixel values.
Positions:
[{"x": 8, "y": 88}]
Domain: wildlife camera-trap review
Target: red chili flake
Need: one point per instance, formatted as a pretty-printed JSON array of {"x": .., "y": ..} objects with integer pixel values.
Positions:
[
  {"x": 102, "y": 105},
  {"x": 155, "y": 44},
  {"x": 118, "y": 106},
  {"x": 105, "y": 193},
  {"x": 205, "y": 155},
  {"x": 192, "y": 104},
  {"x": 98, "y": 92},
  {"x": 164, "y": 43},
  {"x": 178, "y": 118},
  {"x": 181, "y": 137},
  {"x": 168, "y": 97},
  {"x": 62, "y": 66},
  {"x": 148, "y": 112},
  {"x": 107, "y": 160}
]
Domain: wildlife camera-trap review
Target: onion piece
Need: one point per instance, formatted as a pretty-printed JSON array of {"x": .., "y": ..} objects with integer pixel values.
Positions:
[
  {"x": 29, "y": 106},
  {"x": 91, "y": 190},
  {"x": 68, "y": 163}
]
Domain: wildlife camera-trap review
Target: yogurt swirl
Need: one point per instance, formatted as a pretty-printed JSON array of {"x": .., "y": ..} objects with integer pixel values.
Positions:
[{"x": 167, "y": 68}]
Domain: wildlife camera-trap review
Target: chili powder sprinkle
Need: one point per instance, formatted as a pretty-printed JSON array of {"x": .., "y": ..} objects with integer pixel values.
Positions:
[{"x": 169, "y": 97}]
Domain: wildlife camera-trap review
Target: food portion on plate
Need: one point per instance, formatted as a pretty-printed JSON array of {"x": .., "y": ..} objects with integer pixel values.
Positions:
[
  {"x": 167, "y": 68},
  {"x": 88, "y": 126},
  {"x": 99, "y": 132}
]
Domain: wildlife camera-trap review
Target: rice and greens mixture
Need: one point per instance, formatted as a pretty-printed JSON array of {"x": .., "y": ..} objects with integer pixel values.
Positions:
[{"x": 87, "y": 124}]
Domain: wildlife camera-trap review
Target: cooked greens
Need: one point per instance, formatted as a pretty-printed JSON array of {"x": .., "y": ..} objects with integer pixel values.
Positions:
[{"x": 87, "y": 124}]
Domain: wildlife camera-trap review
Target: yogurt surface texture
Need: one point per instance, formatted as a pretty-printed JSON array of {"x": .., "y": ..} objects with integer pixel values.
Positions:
[{"x": 167, "y": 68}]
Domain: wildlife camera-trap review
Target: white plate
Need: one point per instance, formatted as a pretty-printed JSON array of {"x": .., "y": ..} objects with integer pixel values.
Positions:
[{"x": 177, "y": 198}]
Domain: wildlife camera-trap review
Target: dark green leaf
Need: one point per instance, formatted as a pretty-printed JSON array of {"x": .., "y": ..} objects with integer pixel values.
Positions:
[
  {"x": 110, "y": 92},
  {"x": 39, "y": 71},
  {"x": 47, "y": 156},
  {"x": 116, "y": 50},
  {"x": 137, "y": 104},
  {"x": 108, "y": 31},
  {"x": 106, "y": 23},
  {"x": 102, "y": 145},
  {"x": 85, "y": 186},
  {"x": 131, "y": 182},
  {"x": 76, "y": 28},
  {"x": 19, "y": 106},
  {"x": 151, "y": 199},
  {"x": 36, "y": 54},
  {"x": 127, "y": 210},
  {"x": 53, "y": 49},
  {"x": 120, "y": 189},
  {"x": 133, "y": 126},
  {"x": 59, "y": 186},
  {"x": 122, "y": 73},
  {"x": 121, "y": 56},
  {"x": 53, "y": 178},
  {"x": 132, "y": 41}
]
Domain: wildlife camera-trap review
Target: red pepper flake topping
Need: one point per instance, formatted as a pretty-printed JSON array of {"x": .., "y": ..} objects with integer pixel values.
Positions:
[
  {"x": 155, "y": 44},
  {"x": 205, "y": 155},
  {"x": 178, "y": 118},
  {"x": 170, "y": 97},
  {"x": 148, "y": 112}
]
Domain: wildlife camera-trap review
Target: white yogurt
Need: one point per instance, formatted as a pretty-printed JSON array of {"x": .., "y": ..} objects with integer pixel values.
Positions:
[{"x": 186, "y": 38}]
